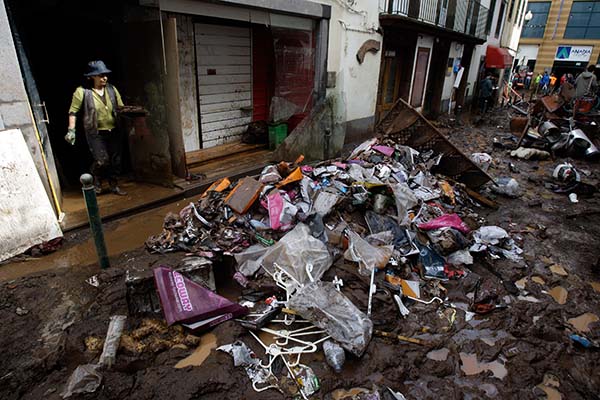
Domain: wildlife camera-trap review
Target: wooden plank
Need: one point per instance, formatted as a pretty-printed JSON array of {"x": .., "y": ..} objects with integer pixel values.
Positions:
[
  {"x": 228, "y": 106},
  {"x": 231, "y": 88},
  {"x": 225, "y": 70},
  {"x": 222, "y": 98},
  {"x": 220, "y": 125},
  {"x": 224, "y": 79},
  {"x": 208, "y": 136},
  {"x": 222, "y": 40},
  {"x": 220, "y": 30},
  {"x": 222, "y": 60},
  {"x": 203, "y": 155},
  {"x": 222, "y": 140},
  {"x": 211, "y": 50},
  {"x": 222, "y": 116}
]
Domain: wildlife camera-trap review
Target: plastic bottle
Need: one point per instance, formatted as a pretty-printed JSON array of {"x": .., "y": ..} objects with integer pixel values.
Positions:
[{"x": 335, "y": 355}]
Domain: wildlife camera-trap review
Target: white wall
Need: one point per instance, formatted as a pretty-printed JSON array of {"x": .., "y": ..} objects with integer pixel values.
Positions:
[
  {"x": 527, "y": 52},
  {"x": 355, "y": 91},
  {"x": 456, "y": 51}
]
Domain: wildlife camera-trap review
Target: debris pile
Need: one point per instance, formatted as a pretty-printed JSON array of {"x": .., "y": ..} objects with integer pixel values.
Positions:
[
  {"x": 381, "y": 212},
  {"x": 557, "y": 127}
]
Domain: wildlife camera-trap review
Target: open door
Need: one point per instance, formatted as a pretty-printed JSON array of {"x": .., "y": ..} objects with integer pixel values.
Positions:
[
  {"x": 420, "y": 78},
  {"x": 40, "y": 118},
  {"x": 390, "y": 83}
]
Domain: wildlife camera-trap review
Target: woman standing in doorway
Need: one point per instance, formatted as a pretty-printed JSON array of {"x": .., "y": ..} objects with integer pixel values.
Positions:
[{"x": 98, "y": 107}]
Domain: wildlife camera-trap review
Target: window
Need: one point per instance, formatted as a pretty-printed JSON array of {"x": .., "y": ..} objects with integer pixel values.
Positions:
[
  {"x": 584, "y": 20},
  {"x": 510, "y": 11},
  {"x": 518, "y": 12},
  {"x": 500, "y": 18},
  {"x": 535, "y": 27},
  {"x": 490, "y": 17}
]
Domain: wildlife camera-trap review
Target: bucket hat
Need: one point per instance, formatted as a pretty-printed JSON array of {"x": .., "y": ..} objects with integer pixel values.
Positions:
[{"x": 96, "y": 68}]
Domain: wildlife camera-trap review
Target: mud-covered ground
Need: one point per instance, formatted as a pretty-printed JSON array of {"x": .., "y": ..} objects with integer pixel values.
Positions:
[{"x": 519, "y": 352}]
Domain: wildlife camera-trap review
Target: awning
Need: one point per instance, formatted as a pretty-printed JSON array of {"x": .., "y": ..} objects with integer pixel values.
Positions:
[{"x": 497, "y": 57}]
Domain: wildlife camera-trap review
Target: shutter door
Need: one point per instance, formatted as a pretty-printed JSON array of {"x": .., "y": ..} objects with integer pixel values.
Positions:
[{"x": 224, "y": 82}]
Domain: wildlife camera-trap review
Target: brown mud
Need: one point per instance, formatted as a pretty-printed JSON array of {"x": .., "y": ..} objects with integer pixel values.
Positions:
[{"x": 519, "y": 352}]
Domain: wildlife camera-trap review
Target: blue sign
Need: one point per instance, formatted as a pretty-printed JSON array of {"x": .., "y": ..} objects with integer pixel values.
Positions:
[{"x": 563, "y": 52}]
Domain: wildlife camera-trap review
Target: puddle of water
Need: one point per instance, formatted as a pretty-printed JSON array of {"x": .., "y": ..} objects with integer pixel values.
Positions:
[
  {"x": 487, "y": 336},
  {"x": 559, "y": 294},
  {"x": 558, "y": 270},
  {"x": 471, "y": 366},
  {"x": 582, "y": 322},
  {"x": 208, "y": 342},
  {"x": 438, "y": 355},
  {"x": 130, "y": 233}
]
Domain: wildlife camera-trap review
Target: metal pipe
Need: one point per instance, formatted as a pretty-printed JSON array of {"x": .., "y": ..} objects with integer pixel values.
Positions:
[{"x": 89, "y": 194}]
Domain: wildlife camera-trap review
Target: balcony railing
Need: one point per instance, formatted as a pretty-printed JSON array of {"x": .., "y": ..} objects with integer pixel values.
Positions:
[{"x": 463, "y": 16}]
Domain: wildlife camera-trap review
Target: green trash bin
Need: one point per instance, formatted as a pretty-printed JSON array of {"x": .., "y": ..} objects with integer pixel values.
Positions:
[{"x": 277, "y": 134}]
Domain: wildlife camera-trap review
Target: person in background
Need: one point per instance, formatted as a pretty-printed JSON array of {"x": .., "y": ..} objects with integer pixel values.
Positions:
[
  {"x": 97, "y": 104},
  {"x": 553, "y": 80},
  {"x": 563, "y": 79},
  {"x": 545, "y": 83},
  {"x": 528, "y": 79},
  {"x": 586, "y": 83},
  {"x": 536, "y": 82},
  {"x": 485, "y": 93},
  {"x": 571, "y": 79}
]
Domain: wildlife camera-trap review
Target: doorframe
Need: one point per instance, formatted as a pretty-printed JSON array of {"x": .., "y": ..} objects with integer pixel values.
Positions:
[{"x": 426, "y": 42}]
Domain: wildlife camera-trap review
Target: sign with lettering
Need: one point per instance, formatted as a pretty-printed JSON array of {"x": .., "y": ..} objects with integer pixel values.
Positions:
[{"x": 573, "y": 53}]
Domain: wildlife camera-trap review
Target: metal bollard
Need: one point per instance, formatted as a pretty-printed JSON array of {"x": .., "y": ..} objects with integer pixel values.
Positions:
[{"x": 89, "y": 194}]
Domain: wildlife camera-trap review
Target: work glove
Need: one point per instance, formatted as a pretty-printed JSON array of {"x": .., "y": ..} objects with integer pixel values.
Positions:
[{"x": 70, "y": 136}]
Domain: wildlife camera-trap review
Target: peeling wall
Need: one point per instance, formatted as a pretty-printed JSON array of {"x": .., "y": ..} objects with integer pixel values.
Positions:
[
  {"x": 187, "y": 83},
  {"x": 14, "y": 108},
  {"x": 355, "y": 91}
]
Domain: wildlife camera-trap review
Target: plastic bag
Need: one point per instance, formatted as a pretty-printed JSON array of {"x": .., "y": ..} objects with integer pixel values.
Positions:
[
  {"x": 85, "y": 379},
  {"x": 482, "y": 160},
  {"x": 447, "y": 220},
  {"x": 432, "y": 264},
  {"x": 367, "y": 256},
  {"x": 330, "y": 310},
  {"x": 113, "y": 337},
  {"x": 487, "y": 235},
  {"x": 405, "y": 200},
  {"x": 507, "y": 186},
  {"x": 244, "y": 357},
  {"x": 249, "y": 260},
  {"x": 295, "y": 251},
  {"x": 460, "y": 257}
]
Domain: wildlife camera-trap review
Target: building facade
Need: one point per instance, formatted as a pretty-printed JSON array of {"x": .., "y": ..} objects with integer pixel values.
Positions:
[
  {"x": 560, "y": 36},
  {"x": 436, "y": 51},
  {"x": 496, "y": 55}
]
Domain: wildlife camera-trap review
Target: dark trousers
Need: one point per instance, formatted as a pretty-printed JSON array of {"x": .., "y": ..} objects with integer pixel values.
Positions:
[
  {"x": 485, "y": 103},
  {"x": 106, "y": 148}
]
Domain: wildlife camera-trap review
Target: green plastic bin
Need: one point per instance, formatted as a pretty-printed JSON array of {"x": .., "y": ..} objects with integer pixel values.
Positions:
[{"x": 277, "y": 134}]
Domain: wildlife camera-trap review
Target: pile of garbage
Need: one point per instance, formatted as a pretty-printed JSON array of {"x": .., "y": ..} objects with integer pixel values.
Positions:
[
  {"x": 381, "y": 211},
  {"x": 554, "y": 129}
]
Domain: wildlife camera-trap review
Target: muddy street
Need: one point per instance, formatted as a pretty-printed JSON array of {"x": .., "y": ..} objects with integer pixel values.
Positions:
[{"x": 526, "y": 344}]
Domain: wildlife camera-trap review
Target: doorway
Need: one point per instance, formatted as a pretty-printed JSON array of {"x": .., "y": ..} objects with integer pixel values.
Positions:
[
  {"x": 396, "y": 70},
  {"x": 420, "y": 77}
]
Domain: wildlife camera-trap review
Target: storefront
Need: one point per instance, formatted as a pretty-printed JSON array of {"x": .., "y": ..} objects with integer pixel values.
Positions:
[{"x": 571, "y": 59}]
